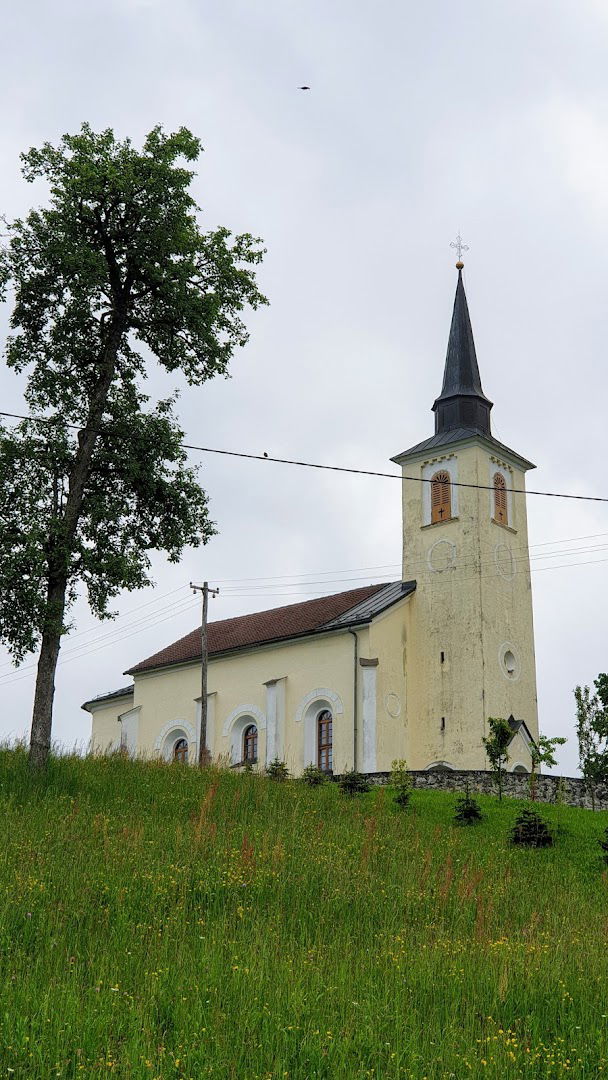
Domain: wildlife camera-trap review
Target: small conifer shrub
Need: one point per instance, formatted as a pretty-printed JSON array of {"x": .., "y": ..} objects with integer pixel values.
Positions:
[
  {"x": 530, "y": 829},
  {"x": 401, "y": 781},
  {"x": 467, "y": 810},
  {"x": 603, "y": 842},
  {"x": 277, "y": 770},
  {"x": 313, "y": 775},
  {"x": 353, "y": 783}
]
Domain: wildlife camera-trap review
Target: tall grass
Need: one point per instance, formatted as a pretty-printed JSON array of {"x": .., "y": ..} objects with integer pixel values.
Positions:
[{"x": 157, "y": 922}]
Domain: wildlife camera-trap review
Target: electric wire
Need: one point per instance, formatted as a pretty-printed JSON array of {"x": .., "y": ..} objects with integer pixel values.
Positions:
[
  {"x": 318, "y": 465},
  {"x": 24, "y": 673}
]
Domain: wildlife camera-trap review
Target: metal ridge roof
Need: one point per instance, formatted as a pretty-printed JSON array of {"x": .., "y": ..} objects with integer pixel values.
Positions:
[
  {"x": 447, "y": 438},
  {"x": 125, "y": 691}
]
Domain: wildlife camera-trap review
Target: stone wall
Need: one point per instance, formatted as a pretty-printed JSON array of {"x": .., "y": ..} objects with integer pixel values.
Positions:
[{"x": 567, "y": 789}]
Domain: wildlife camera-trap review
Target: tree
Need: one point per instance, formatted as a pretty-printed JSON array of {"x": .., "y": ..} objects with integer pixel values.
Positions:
[
  {"x": 592, "y": 733},
  {"x": 115, "y": 268},
  {"x": 496, "y": 744},
  {"x": 543, "y": 753}
]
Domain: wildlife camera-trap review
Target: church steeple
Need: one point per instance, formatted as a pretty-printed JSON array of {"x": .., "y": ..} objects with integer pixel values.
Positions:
[{"x": 462, "y": 402}]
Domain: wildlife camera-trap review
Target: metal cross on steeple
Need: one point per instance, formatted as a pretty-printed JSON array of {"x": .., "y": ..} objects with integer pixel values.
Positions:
[{"x": 459, "y": 246}]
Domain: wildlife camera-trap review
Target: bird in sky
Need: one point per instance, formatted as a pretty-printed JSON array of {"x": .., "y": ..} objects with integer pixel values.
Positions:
[{"x": 303, "y": 87}]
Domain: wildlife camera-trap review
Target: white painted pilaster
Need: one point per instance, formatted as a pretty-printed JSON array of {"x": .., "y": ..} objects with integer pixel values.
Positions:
[
  {"x": 369, "y": 671},
  {"x": 129, "y": 730},
  {"x": 275, "y": 719}
]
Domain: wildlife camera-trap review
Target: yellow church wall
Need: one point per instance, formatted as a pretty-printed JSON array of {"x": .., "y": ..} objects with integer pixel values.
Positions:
[
  {"x": 389, "y": 636},
  {"x": 105, "y": 727},
  {"x": 471, "y": 606},
  {"x": 237, "y": 687}
]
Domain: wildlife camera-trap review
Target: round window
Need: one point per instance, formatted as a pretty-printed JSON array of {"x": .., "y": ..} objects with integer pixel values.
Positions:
[{"x": 509, "y": 661}]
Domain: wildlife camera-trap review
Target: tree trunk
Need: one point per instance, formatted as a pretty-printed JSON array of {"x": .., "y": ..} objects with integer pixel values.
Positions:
[
  {"x": 42, "y": 715},
  {"x": 61, "y": 546}
]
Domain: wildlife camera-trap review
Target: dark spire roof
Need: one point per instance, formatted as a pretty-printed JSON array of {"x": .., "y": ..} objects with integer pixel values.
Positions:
[{"x": 462, "y": 402}]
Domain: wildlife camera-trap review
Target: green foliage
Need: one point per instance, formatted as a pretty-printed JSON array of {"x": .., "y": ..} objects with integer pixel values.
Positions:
[
  {"x": 159, "y": 906},
  {"x": 401, "y": 782},
  {"x": 115, "y": 266},
  {"x": 543, "y": 753},
  {"x": 496, "y": 744},
  {"x": 113, "y": 270},
  {"x": 592, "y": 734},
  {"x": 530, "y": 830},
  {"x": 313, "y": 776},
  {"x": 353, "y": 783},
  {"x": 277, "y": 769},
  {"x": 467, "y": 810}
]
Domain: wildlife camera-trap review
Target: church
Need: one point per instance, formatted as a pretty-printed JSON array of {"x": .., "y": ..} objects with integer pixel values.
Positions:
[{"x": 411, "y": 669}]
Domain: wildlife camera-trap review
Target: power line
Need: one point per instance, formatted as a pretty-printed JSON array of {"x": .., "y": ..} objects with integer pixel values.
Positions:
[
  {"x": 327, "y": 468},
  {"x": 26, "y": 673},
  {"x": 93, "y": 647}
]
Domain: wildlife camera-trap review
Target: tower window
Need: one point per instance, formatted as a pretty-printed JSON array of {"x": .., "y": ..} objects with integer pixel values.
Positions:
[
  {"x": 441, "y": 497},
  {"x": 443, "y": 723},
  {"x": 500, "y": 499}
]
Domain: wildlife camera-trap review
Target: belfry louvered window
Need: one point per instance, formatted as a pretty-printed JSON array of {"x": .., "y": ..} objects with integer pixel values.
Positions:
[
  {"x": 500, "y": 499},
  {"x": 441, "y": 497}
]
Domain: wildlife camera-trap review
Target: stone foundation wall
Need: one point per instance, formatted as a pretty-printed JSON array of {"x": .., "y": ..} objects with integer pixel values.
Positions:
[{"x": 570, "y": 790}]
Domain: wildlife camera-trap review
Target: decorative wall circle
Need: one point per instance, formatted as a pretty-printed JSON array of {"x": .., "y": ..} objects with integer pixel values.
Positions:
[
  {"x": 505, "y": 562},
  {"x": 509, "y": 661},
  {"x": 392, "y": 704},
  {"x": 441, "y": 556}
]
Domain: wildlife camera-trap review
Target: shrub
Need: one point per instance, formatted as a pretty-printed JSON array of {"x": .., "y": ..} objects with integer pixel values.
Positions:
[
  {"x": 313, "y": 776},
  {"x": 353, "y": 783},
  {"x": 277, "y": 770},
  {"x": 467, "y": 810},
  {"x": 530, "y": 829},
  {"x": 604, "y": 845},
  {"x": 401, "y": 781}
]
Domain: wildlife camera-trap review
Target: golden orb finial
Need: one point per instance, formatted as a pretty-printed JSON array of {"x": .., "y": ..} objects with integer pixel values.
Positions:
[{"x": 459, "y": 265}]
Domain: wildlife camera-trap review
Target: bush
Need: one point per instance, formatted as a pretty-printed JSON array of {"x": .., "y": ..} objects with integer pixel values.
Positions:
[
  {"x": 313, "y": 776},
  {"x": 467, "y": 810},
  {"x": 530, "y": 829},
  {"x": 353, "y": 783},
  {"x": 402, "y": 782},
  {"x": 277, "y": 770},
  {"x": 604, "y": 845}
]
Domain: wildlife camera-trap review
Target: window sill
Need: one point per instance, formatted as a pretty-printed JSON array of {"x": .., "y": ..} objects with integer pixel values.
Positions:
[
  {"x": 501, "y": 525},
  {"x": 434, "y": 524}
]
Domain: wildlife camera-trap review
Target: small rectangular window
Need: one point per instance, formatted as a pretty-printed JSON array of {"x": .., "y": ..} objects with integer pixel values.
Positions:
[
  {"x": 442, "y": 657},
  {"x": 443, "y": 723}
]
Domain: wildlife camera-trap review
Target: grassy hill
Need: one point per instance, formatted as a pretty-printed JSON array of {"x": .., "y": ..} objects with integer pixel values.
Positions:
[{"x": 156, "y": 922}]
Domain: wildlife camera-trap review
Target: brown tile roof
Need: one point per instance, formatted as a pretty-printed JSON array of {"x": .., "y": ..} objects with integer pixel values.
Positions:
[{"x": 277, "y": 624}]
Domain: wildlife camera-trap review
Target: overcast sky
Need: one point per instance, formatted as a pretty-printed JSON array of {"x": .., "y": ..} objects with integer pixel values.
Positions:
[{"x": 422, "y": 119}]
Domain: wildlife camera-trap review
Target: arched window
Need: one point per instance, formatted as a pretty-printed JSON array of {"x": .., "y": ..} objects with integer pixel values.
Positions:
[
  {"x": 250, "y": 743},
  {"x": 441, "y": 498},
  {"x": 324, "y": 740},
  {"x": 500, "y": 499},
  {"x": 180, "y": 750}
]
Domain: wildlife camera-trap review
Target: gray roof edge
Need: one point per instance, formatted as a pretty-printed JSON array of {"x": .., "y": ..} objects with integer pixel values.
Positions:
[
  {"x": 125, "y": 691},
  {"x": 368, "y": 609},
  {"x": 422, "y": 449}
]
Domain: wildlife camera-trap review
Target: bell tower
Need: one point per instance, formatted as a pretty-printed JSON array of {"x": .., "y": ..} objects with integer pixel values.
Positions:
[{"x": 470, "y": 650}]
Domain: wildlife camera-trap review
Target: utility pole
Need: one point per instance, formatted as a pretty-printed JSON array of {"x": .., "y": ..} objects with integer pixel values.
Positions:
[{"x": 202, "y": 736}]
